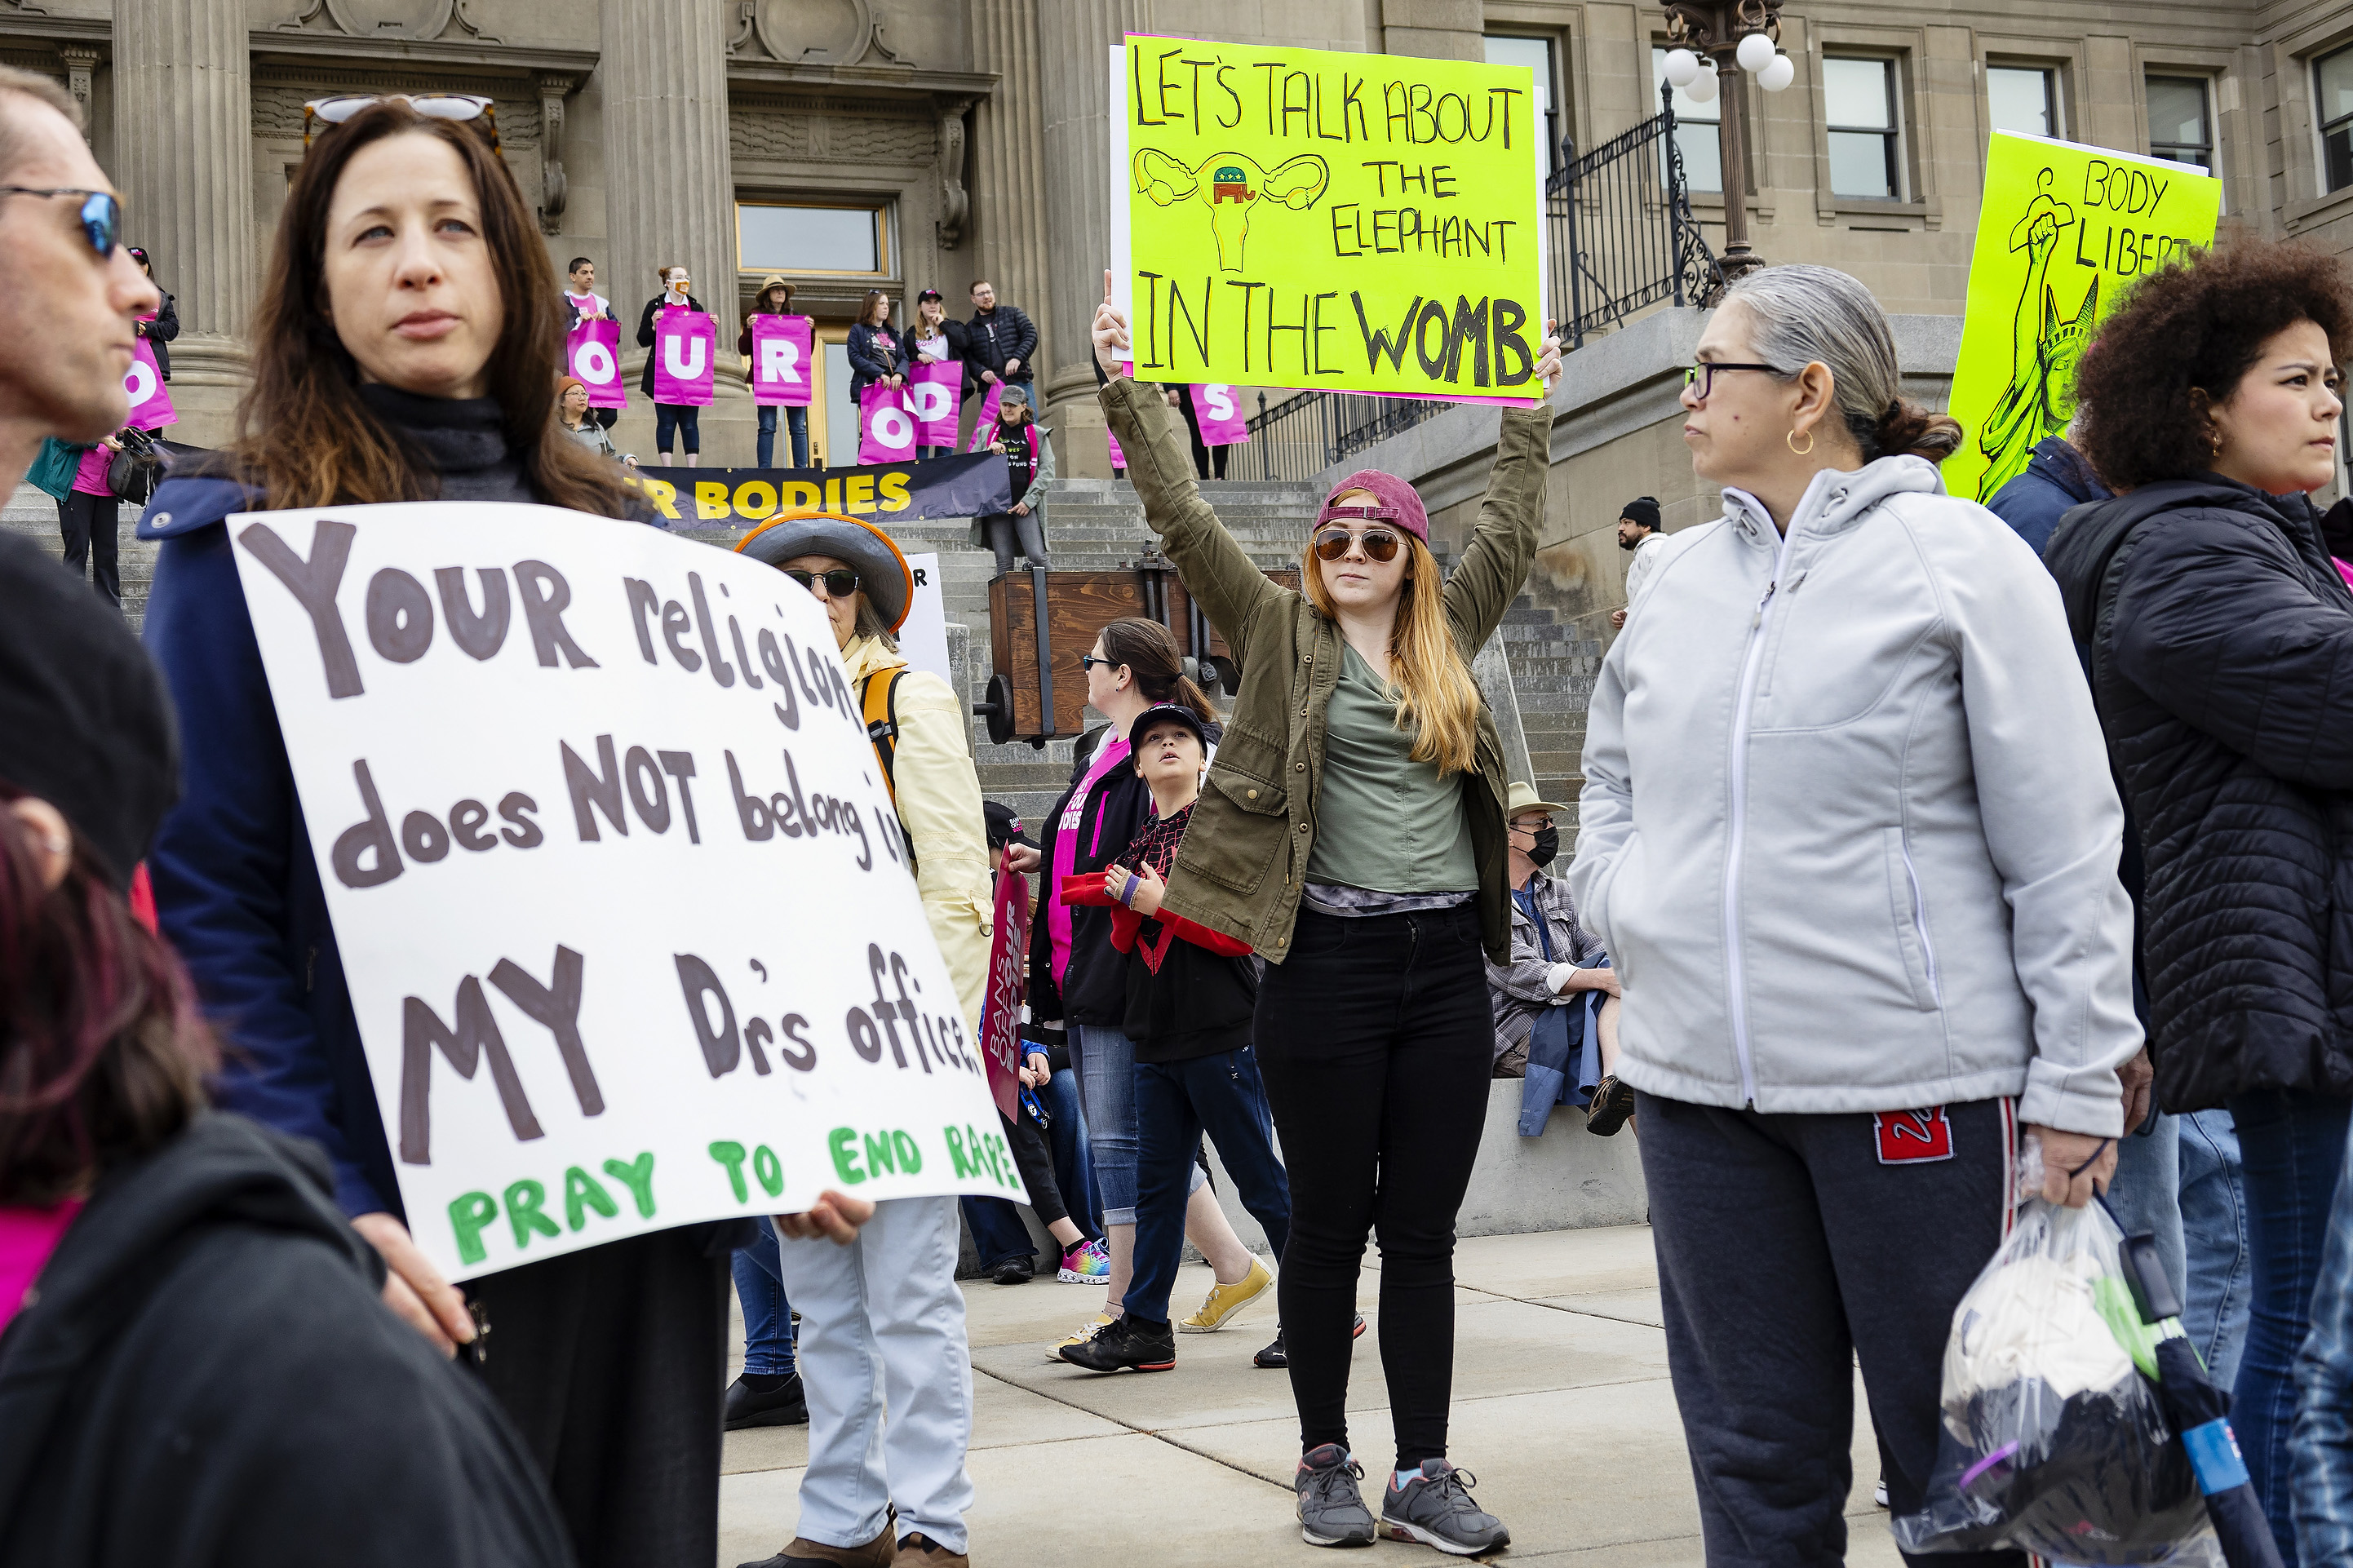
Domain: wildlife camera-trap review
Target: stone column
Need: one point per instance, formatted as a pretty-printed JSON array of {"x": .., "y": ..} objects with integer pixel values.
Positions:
[
  {"x": 184, "y": 139},
  {"x": 1009, "y": 186},
  {"x": 670, "y": 195},
  {"x": 1074, "y": 39}
]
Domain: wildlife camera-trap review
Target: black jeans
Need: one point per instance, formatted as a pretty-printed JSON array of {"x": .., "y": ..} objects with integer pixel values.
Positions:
[
  {"x": 1376, "y": 1040},
  {"x": 1786, "y": 1250},
  {"x": 685, "y": 417},
  {"x": 89, "y": 524},
  {"x": 1176, "y": 1102}
]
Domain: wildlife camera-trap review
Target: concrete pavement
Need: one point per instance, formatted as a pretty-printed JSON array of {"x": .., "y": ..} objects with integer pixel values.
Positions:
[{"x": 1562, "y": 1408}]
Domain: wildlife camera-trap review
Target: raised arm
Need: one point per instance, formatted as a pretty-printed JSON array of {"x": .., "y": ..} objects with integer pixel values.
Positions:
[{"x": 1511, "y": 520}]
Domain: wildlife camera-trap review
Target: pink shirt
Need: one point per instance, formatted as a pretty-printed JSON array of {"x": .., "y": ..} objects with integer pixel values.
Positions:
[
  {"x": 1109, "y": 755},
  {"x": 90, "y": 477},
  {"x": 28, "y": 1236}
]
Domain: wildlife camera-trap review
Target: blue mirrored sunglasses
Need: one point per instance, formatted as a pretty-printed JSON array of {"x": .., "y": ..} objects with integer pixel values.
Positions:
[{"x": 102, "y": 215}]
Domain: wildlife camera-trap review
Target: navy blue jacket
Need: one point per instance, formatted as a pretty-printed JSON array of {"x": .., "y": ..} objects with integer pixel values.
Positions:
[
  {"x": 236, "y": 887},
  {"x": 2056, "y": 479}
]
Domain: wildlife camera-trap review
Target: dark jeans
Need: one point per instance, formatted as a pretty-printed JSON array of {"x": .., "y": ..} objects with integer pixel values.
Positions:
[
  {"x": 607, "y": 417},
  {"x": 89, "y": 525},
  {"x": 997, "y": 1233},
  {"x": 767, "y": 1316},
  {"x": 795, "y": 426},
  {"x": 1375, "y": 1039},
  {"x": 1785, "y": 1251},
  {"x": 612, "y": 1365},
  {"x": 2291, "y": 1148},
  {"x": 1008, "y": 535},
  {"x": 1176, "y": 1102},
  {"x": 681, "y": 417}
]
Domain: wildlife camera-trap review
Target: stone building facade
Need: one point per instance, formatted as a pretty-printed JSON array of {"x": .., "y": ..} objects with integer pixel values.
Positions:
[{"x": 953, "y": 140}]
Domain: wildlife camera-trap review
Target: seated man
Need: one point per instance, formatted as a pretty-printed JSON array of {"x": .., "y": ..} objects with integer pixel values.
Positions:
[{"x": 1540, "y": 995}]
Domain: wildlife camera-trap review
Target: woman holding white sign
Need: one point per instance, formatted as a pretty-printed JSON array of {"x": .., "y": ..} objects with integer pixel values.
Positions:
[
  {"x": 915, "y": 1328},
  {"x": 400, "y": 353}
]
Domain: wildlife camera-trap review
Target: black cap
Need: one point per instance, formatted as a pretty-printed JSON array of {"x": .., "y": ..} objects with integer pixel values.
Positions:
[
  {"x": 1004, "y": 826},
  {"x": 930, "y": 294},
  {"x": 1644, "y": 510},
  {"x": 85, "y": 723},
  {"x": 1165, "y": 712}
]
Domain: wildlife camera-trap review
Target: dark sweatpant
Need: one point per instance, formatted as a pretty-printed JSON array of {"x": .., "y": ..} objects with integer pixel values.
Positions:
[
  {"x": 1376, "y": 1040},
  {"x": 1787, "y": 1249},
  {"x": 89, "y": 525},
  {"x": 612, "y": 1364}
]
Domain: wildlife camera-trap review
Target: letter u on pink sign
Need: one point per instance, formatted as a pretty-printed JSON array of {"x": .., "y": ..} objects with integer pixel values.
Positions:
[
  {"x": 782, "y": 347},
  {"x": 682, "y": 357}
]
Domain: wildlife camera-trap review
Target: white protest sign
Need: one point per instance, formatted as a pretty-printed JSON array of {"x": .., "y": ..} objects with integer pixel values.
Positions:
[
  {"x": 594, "y": 808},
  {"x": 923, "y": 636}
]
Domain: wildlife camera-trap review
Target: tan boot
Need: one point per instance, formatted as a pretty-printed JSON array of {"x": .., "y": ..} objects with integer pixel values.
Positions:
[
  {"x": 921, "y": 1551},
  {"x": 879, "y": 1553}
]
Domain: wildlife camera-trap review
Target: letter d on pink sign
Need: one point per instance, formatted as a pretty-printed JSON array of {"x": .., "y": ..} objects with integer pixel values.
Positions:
[
  {"x": 593, "y": 350},
  {"x": 151, "y": 400},
  {"x": 781, "y": 351},
  {"x": 683, "y": 341},
  {"x": 938, "y": 390}
]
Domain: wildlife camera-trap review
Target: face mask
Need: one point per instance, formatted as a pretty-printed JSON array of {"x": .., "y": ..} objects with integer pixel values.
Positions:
[{"x": 1548, "y": 845}]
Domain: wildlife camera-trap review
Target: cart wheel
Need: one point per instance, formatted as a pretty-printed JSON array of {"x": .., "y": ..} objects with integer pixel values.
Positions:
[{"x": 998, "y": 710}]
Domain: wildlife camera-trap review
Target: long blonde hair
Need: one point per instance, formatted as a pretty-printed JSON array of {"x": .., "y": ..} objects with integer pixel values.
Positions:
[{"x": 1435, "y": 691}]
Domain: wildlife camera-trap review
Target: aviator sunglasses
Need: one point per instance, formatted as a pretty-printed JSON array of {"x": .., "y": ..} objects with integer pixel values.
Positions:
[
  {"x": 336, "y": 110},
  {"x": 840, "y": 582},
  {"x": 100, "y": 215},
  {"x": 1379, "y": 543}
]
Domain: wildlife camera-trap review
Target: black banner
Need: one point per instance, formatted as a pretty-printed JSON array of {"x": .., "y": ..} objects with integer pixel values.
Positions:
[{"x": 971, "y": 485}]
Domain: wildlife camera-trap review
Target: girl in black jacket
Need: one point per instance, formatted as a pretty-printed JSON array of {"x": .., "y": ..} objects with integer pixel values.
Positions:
[
  {"x": 2220, "y": 639},
  {"x": 670, "y": 416}
]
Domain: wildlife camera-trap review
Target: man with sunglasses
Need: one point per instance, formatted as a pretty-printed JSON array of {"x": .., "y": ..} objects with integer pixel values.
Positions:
[{"x": 70, "y": 297}]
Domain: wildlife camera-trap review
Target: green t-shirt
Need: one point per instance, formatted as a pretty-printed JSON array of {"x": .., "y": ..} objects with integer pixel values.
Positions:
[{"x": 1384, "y": 821}]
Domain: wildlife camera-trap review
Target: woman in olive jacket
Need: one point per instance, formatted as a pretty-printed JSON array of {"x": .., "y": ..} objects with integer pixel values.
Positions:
[{"x": 1362, "y": 777}]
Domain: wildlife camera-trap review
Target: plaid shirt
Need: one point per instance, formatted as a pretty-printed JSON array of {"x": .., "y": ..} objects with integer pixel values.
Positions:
[
  {"x": 1517, "y": 989},
  {"x": 2321, "y": 1484}
]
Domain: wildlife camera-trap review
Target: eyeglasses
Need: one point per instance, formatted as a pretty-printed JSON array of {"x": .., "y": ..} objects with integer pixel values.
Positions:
[
  {"x": 1703, "y": 374},
  {"x": 100, "y": 215},
  {"x": 1541, "y": 824},
  {"x": 432, "y": 105},
  {"x": 1379, "y": 543},
  {"x": 1089, "y": 661},
  {"x": 840, "y": 582}
]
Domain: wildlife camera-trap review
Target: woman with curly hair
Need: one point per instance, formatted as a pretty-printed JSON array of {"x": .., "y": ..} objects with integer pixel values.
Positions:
[{"x": 2220, "y": 642}]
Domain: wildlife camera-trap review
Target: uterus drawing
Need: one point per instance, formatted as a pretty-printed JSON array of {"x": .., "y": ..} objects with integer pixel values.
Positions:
[{"x": 1231, "y": 184}]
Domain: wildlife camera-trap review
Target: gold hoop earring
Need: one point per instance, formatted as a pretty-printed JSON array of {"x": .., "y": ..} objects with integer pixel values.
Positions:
[{"x": 1805, "y": 451}]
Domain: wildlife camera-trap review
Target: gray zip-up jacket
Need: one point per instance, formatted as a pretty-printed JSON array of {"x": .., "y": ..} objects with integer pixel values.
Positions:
[{"x": 1847, "y": 829}]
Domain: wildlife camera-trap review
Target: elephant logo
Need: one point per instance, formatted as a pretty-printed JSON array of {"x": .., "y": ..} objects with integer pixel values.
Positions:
[{"x": 1230, "y": 184}]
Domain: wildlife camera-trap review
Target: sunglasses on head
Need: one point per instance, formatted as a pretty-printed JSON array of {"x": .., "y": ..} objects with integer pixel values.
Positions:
[
  {"x": 331, "y": 112},
  {"x": 100, "y": 215},
  {"x": 840, "y": 582}
]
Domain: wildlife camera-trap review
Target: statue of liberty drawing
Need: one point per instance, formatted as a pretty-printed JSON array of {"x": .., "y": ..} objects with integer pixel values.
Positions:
[{"x": 2045, "y": 347}]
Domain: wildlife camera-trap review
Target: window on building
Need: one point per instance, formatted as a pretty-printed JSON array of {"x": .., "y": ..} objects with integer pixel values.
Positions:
[
  {"x": 1698, "y": 127},
  {"x": 1859, "y": 99},
  {"x": 2023, "y": 99},
  {"x": 1537, "y": 55},
  {"x": 2332, "y": 80},
  {"x": 2180, "y": 127},
  {"x": 775, "y": 238}
]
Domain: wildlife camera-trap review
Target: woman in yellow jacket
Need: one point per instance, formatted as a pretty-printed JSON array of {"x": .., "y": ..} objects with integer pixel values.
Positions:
[{"x": 915, "y": 1328}]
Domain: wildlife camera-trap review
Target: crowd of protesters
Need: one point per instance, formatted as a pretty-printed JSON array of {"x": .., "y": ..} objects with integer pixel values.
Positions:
[{"x": 1918, "y": 842}]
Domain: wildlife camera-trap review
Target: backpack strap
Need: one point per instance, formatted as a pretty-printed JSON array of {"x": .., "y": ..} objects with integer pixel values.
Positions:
[{"x": 879, "y": 699}]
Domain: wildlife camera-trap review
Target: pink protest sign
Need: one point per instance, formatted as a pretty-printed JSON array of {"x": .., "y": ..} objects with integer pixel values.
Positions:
[
  {"x": 151, "y": 400},
  {"x": 593, "y": 350},
  {"x": 937, "y": 388},
  {"x": 782, "y": 347},
  {"x": 888, "y": 418},
  {"x": 1118, "y": 457},
  {"x": 684, "y": 341},
  {"x": 1221, "y": 415},
  {"x": 984, "y": 423}
]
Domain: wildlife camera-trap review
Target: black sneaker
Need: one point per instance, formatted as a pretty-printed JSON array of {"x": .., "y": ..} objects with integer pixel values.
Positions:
[
  {"x": 1014, "y": 1272},
  {"x": 783, "y": 1405},
  {"x": 1435, "y": 1508},
  {"x": 1129, "y": 1344},
  {"x": 1278, "y": 1355},
  {"x": 1332, "y": 1511},
  {"x": 1612, "y": 1107}
]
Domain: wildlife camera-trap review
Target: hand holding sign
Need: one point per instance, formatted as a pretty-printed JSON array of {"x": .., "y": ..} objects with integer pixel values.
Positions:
[
  {"x": 1111, "y": 333},
  {"x": 781, "y": 351}
]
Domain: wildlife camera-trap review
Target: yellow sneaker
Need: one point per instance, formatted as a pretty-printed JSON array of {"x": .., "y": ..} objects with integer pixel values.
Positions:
[
  {"x": 1086, "y": 1332},
  {"x": 1225, "y": 1302}
]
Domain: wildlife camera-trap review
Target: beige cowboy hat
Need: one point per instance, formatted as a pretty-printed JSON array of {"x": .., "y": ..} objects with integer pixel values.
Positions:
[{"x": 1521, "y": 798}]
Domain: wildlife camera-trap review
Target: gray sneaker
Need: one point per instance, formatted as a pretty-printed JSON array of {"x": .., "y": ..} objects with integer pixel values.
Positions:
[
  {"x": 1332, "y": 1511},
  {"x": 1435, "y": 1508}
]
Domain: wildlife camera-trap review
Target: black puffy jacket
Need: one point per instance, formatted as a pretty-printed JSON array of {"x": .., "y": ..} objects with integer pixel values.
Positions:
[{"x": 2221, "y": 640}]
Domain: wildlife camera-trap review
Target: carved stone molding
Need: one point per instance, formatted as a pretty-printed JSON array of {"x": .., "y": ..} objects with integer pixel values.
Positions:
[
  {"x": 956, "y": 203},
  {"x": 80, "y": 60},
  {"x": 811, "y": 32},
  {"x": 552, "y": 89},
  {"x": 357, "y": 19}
]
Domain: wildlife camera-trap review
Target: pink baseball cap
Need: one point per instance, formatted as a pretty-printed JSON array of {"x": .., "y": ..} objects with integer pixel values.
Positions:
[{"x": 1394, "y": 495}]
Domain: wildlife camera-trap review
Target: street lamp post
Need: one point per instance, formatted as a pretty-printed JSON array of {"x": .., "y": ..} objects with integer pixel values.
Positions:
[{"x": 1716, "y": 44}]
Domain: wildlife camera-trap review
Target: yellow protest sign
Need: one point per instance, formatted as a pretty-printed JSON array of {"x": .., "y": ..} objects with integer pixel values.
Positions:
[
  {"x": 1299, "y": 217},
  {"x": 2064, "y": 230}
]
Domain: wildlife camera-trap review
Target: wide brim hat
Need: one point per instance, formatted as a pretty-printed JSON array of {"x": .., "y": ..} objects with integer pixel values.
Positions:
[
  {"x": 883, "y": 574},
  {"x": 1522, "y": 797}
]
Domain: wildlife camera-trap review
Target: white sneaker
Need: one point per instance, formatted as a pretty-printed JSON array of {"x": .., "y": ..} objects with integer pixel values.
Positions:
[{"x": 1086, "y": 1332}]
